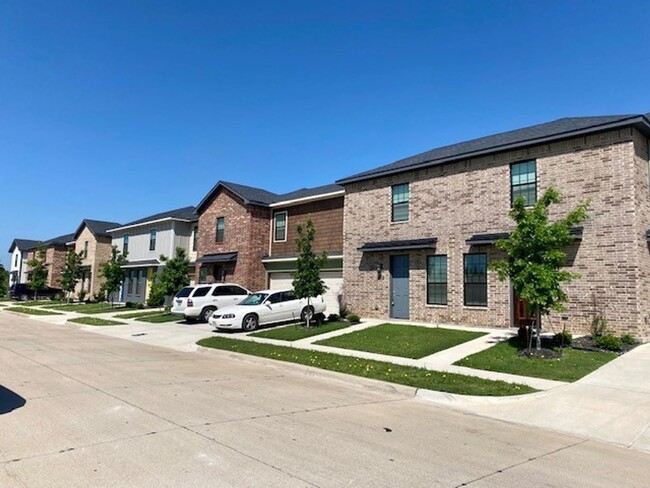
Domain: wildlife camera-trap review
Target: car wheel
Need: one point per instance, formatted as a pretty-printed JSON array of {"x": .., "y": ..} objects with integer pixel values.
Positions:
[
  {"x": 190, "y": 320},
  {"x": 250, "y": 322},
  {"x": 206, "y": 313},
  {"x": 307, "y": 313}
]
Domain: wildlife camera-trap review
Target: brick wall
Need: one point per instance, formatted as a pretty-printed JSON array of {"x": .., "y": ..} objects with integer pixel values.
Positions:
[
  {"x": 54, "y": 259},
  {"x": 454, "y": 201}
]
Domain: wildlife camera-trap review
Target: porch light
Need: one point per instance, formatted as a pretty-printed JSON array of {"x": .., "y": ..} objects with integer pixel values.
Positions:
[{"x": 380, "y": 267}]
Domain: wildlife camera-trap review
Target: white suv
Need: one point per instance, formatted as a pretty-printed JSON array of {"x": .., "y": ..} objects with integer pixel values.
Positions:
[{"x": 200, "y": 301}]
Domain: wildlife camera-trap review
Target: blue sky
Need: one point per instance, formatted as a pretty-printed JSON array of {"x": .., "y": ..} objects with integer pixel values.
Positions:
[{"x": 116, "y": 110}]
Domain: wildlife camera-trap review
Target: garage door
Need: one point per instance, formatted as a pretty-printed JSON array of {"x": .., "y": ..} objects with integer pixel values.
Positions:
[{"x": 332, "y": 279}]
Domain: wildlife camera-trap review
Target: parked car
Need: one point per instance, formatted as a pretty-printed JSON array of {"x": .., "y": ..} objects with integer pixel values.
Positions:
[
  {"x": 200, "y": 301},
  {"x": 267, "y": 307},
  {"x": 22, "y": 291}
]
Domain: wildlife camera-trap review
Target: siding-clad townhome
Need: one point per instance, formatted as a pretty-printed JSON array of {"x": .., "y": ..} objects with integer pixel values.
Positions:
[
  {"x": 419, "y": 233},
  {"x": 247, "y": 236},
  {"x": 93, "y": 242},
  {"x": 55, "y": 252},
  {"x": 17, "y": 265},
  {"x": 143, "y": 241}
]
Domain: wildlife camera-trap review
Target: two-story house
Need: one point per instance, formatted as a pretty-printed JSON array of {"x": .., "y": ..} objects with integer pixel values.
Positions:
[
  {"x": 143, "y": 241},
  {"x": 247, "y": 235},
  {"x": 55, "y": 252},
  {"x": 419, "y": 233},
  {"x": 18, "y": 263},
  {"x": 93, "y": 242}
]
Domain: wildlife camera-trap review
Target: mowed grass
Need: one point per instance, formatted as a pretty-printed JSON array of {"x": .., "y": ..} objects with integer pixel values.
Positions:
[
  {"x": 407, "y": 341},
  {"x": 31, "y": 311},
  {"x": 160, "y": 318},
  {"x": 573, "y": 365},
  {"x": 403, "y": 375},
  {"x": 141, "y": 313},
  {"x": 94, "y": 321},
  {"x": 39, "y": 303},
  {"x": 89, "y": 308},
  {"x": 296, "y": 332}
]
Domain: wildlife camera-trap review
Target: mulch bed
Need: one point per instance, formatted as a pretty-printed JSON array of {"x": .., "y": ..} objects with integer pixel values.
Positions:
[{"x": 587, "y": 344}]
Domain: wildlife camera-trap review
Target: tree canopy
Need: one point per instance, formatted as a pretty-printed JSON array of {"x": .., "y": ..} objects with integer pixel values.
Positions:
[{"x": 306, "y": 280}]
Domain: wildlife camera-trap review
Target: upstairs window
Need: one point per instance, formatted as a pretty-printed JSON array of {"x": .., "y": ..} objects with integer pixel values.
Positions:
[
  {"x": 437, "y": 280},
  {"x": 523, "y": 182},
  {"x": 125, "y": 244},
  {"x": 221, "y": 228},
  {"x": 400, "y": 200},
  {"x": 475, "y": 279},
  {"x": 85, "y": 249},
  {"x": 153, "y": 234},
  {"x": 280, "y": 227},
  {"x": 15, "y": 260},
  {"x": 195, "y": 238}
]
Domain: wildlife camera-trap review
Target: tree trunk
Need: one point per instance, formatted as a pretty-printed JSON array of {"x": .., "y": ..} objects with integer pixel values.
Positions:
[{"x": 538, "y": 329}]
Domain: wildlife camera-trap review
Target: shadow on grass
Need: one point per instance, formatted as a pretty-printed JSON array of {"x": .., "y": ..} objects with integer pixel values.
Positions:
[{"x": 9, "y": 400}]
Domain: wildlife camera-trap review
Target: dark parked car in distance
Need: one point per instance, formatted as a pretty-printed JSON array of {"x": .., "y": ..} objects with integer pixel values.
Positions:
[{"x": 22, "y": 291}]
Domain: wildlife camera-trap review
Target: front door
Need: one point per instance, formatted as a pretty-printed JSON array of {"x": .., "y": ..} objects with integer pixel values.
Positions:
[
  {"x": 399, "y": 287},
  {"x": 521, "y": 315}
]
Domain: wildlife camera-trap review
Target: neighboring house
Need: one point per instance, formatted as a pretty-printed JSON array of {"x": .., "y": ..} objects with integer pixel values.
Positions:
[
  {"x": 420, "y": 232},
  {"x": 93, "y": 242},
  {"x": 55, "y": 252},
  {"x": 247, "y": 236},
  {"x": 145, "y": 240},
  {"x": 18, "y": 266}
]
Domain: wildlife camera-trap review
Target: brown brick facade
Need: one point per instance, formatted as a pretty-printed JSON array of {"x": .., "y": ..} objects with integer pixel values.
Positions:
[
  {"x": 54, "y": 261},
  {"x": 452, "y": 202}
]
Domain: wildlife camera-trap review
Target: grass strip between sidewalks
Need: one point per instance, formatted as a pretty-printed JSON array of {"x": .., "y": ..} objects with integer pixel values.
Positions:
[{"x": 94, "y": 321}]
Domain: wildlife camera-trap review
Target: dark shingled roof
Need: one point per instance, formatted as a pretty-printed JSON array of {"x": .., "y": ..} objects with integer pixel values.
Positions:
[
  {"x": 427, "y": 243},
  {"x": 184, "y": 213},
  {"x": 23, "y": 244},
  {"x": 58, "y": 241},
  {"x": 489, "y": 239},
  {"x": 263, "y": 198},
  {"x": 99, "y": 228},
  {"x": 536, "y": 134}
]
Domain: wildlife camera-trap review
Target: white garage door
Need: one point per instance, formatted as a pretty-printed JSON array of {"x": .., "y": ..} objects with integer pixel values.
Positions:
[{"x": 332, "y": 279}]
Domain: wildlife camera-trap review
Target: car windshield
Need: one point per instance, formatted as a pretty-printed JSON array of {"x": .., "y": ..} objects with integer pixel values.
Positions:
[
  {"x": 185, "y": 292},
  {"x": 254, "y": 299}
]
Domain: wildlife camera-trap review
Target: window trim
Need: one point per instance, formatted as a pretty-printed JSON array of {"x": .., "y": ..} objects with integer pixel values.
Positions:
[
  {"x": 195, "y": 238},
  {"x": 512, "y": 186},
  {"x": 153, "y": 238},
  {"x": 392, "y": 203},
  {"x": 275, "y": 226},
  {"x": 487, "y": 297},
  {"x": 85, "y": 249},
  {"x": 223, "y": 230},
  {"x": 125, "y": 243},
  {"x": 446, "y": 283}
]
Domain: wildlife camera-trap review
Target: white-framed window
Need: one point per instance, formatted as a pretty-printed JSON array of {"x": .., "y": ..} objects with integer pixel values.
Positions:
[
  {"x": 280, "y": 227},
  {"x": 153, "y": 235},
  {"x": 195, "y": 238},
  {"x": 125, "y": 244},
  {"x": 401, "y": 196}
]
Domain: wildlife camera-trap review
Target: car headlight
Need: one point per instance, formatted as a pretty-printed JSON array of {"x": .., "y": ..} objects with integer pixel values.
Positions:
[{"x": 228, "y": 316}]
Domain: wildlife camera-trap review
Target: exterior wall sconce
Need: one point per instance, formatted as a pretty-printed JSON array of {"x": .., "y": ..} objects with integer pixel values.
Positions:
[{"x": 380, "y": 268}]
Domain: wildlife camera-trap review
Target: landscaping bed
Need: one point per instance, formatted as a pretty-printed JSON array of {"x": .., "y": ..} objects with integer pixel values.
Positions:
[
  {"x": 299, "y": 331},
  {"x": 403, "y": 375},
  {"x": 504, "y": 357},
  {"x": 407, "y": 341},
  {"x": 94, "y": 321},
  {"x": 31, "y": 311}
]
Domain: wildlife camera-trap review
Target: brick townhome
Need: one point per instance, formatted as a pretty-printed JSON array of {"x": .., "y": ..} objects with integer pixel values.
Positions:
[
  {"x": 93, "y": 242},
  {"x": 247, "y": 235},
  {"x": 419, "y": 233},
  {"x": 55, "y": 251}
]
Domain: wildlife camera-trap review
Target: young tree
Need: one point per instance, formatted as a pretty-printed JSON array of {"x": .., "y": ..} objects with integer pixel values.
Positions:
[
  {"x": 4, "y": 281},
  {"x": 38, "y": 271},
  {"x": 174, "y": 276},
  {"x": 306, "y": 280},
  {"x": 536, "y": 255},
  {"x": 112, "y": 271},
  {"x": 71, "y": 271}
]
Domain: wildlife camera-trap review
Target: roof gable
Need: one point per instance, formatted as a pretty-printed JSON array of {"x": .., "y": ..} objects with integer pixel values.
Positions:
[
  {"x": 99, "y": 228},
  {"x": 184, "y": 213},
  {"x": 23, "y": 244}
]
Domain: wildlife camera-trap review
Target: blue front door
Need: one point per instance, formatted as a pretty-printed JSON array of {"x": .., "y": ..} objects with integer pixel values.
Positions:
[{"x": 399, "y": 287}]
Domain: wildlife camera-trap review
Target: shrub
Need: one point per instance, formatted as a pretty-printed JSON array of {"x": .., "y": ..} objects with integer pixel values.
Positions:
[
  {"x": 156, "y": 296},
  {"x": 332, "y": 317},
  {"x": 99, "y": 297},
  {"x": 129, "y": 304},
  {"x": 82, "y": 295},
  {"x": 140, "y": 306},
  {"x": 598, "y": 326},
  {"x": 343, "y": 309},
  {"x": 354, "y": 319},
  {"x": 609, "y": 342},
  {"x": 564, "y": 338},
  {"x": 628, "y": 339}
]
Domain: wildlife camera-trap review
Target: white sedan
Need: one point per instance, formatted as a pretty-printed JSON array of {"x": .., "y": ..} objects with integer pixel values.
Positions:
[{"x": 266, "y": 307}]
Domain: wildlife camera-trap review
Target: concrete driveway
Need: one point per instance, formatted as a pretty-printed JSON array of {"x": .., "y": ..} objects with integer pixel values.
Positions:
[{"x": 105, "y": 412}]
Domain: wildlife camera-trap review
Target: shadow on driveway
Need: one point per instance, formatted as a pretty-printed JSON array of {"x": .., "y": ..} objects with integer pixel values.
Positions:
[{"x": 9, "y": 400}]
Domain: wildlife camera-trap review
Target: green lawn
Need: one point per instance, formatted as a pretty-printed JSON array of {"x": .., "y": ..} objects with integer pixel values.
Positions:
[
  {"x": 403, "y": 375},
  {"x": 160, "y": 318},
  {"x": 572, "y": 366},
  {"x": 407, "y": 341},
  {"x": 295, "y": 332},
  {"x": 31, "y": 311},
  {"x": 142, "y": 313},
  {"x": 94, "y": 321},
  {"x": 89, "y": 308},
  {"x": 39, "y": 303}
]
